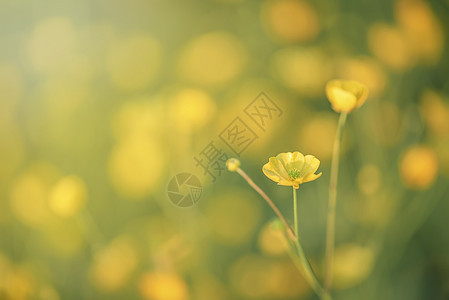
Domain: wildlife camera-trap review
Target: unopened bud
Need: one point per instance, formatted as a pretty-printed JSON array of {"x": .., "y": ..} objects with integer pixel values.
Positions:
[{"x": 233, "y": 164}]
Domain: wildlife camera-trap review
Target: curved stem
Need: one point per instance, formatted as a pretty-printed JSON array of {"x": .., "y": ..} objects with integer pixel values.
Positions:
[
  {"x": 268, "y": 200},
  {"x": 330, "y": 231}
]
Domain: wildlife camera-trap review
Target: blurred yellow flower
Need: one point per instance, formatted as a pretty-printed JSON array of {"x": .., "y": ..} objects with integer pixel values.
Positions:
[
  {"x": 434, "y": 109},
  {"x": 133, "y": 170},
  {"x": 346, "y": 95},
  {"x": 290, "y": 21},
  {"x": 163, "y": 285},
  {"x": 68, "y": 196},
  {"x": 212, "y": 59},
  {"x": 114, "y": 264},
  {"x": 353, "y": 264},
  {"x": 422, "y": 28},
  {"x": 419, "y": 167},
  {"x": 191, "y": 109},
  {"x": 302, "y": 69},
  {"x": 272, "y": 240},
  {"x": 292, "y": 169},
  {"x": 391, "y": 46}
]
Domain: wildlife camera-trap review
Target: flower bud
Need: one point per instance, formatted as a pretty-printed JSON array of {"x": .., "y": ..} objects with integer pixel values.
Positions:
[
  {"x": 233, "y": 164},
  {"x": 346, "y": 95}
]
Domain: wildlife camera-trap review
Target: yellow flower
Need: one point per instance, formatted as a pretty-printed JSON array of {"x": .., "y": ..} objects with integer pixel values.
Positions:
[
  {"x": 292, "y": 169},
  {"x": 346, "y": 95}
]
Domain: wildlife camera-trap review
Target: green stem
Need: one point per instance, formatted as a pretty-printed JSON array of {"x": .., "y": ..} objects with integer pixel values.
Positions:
[
  {"x": 295, "y": 210},
  {"x": 301, "y": 260},
  {"x": 330, "y": 231}
]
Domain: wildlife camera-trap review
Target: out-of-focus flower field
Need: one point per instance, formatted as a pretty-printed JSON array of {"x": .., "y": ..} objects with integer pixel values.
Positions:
[{"x": 103, "y": 102}]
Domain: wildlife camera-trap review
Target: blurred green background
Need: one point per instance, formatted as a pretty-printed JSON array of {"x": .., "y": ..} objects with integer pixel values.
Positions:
[{"x": 103, "y": 102}]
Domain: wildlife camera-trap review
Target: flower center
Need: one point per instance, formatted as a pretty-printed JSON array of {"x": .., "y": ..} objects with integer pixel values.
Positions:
[{"x": 294, "y": 173}]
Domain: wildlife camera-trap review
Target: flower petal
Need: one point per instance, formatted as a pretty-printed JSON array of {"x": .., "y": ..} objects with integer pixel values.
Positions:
[
  {"x": 297, "y": 161},
  {"x": 342, "y": 100},
  {"x": 311, "y": 177},
  {"x": 279, "y": 167},
  {"x": 268, "y": 170},
  {"x": 285, "y": 159},
  {"x": 286, "y": 182},
  {"x": 311, "y": 164}
]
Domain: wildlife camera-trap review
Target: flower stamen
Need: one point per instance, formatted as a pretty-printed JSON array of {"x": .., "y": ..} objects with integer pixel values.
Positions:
[{"x": 294, "y": 173}]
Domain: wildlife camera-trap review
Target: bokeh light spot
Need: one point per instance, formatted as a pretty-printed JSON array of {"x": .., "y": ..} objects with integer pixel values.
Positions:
[
  {"x": 134, "y": 62},
  {"x": 212, "y": 59},
  {"x": 272, "y": 241},
  {"x": 290, "y": 21},
  {"x": 353, "y": 263},
  {"x": 51, "y": 44},
  {"x": 191, "y": 108},
  {"x": 391, "y": 46},
  {"x": 136, "y": 166},
  {"x": 68, "y": 196},
  {"x": 305, "y": 70},
  {"x": 422, "y": 27},
  {"x": 163, "y": 286},
  {"x": 114, "y": 264},
  {"x": 29, "y": 199},
  {"x": 418, "y": 167}
]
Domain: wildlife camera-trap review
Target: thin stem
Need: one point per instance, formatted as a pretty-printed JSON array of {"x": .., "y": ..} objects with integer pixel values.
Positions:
[
  {"x": 295, "y": 211},
  {"x": 268, "y": 200},
  {"x": 330, "y": 231},
  {"x": 302, "y": 260}
]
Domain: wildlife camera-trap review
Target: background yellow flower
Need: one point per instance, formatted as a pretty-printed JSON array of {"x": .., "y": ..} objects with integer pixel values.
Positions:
[{"x": 346, "y": 95}]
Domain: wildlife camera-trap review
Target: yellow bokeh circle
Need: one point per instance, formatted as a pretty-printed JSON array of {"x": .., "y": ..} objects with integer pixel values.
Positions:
[
  {"x": 113, "y": 264},
  {"x": 272, "y": 241},
  {"x": 164, "y": 285},
  {"x": 191, "y": 108},
  {"x": 212, "y": 59},
  {"x": 305, "y": 70},
  {"x": 135, "y": 167},
  {"x": 68, "y": 196},
  {"x": 290, "y": 21},
  {"x": 391, "y": 46},
  {"x": 418, "y": 167},
  {"x": 352, "y": 264}
]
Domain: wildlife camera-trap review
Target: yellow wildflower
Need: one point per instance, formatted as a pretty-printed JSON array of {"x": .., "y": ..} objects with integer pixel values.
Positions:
[
  {"x": 346, "y": 95},
  {"x": 292, "y": 169}
]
